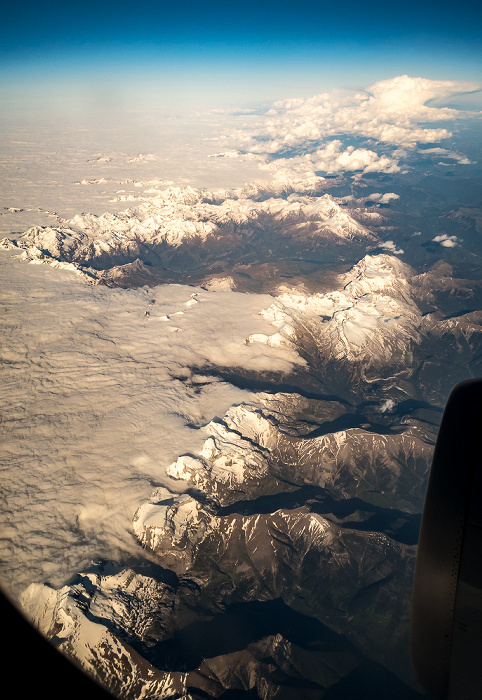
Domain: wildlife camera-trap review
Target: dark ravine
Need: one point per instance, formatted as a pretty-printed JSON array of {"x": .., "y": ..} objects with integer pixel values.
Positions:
[
  {"x": 352, "y": 513},
  {"x": 273, "y": 383},
  {"x": 238, "y": 626}
]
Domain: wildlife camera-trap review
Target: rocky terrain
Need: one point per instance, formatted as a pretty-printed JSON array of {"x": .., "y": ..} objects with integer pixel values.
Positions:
[
  {"x": 302, "y": 505},
  {"x": 187, "y": 235}
]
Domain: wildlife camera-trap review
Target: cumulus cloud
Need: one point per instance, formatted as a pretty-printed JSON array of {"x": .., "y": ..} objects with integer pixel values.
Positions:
[
  {"x": 333, "y": 158},
  {"x": 370, "y": 199},
  {"x": 383, "y": 198},
  {"x": 406, "y": 98},
  {"x": 392, "y": 112},
  {"x": 446, "y": 241},
  {"x": 391, "y": 247},
  {"x": 387, "y": 406}
]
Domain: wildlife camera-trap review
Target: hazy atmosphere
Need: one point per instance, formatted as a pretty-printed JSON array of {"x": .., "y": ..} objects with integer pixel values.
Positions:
[{"x": 241, "y": 270}]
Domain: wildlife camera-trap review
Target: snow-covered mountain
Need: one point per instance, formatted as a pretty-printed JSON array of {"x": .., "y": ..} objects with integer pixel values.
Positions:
[
  {"x": 118, "y": 624},
  {"x": 277, "y": 505},
  {"x": 372, "y": 319},
  {"x": 306, "y": 496},
  {"x": 255, "y": 449},
  {"x": 193, "y": 226}
]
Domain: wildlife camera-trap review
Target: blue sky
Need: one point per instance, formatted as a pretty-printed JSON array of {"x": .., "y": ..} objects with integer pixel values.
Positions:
[{"x": 230, "y": 53}]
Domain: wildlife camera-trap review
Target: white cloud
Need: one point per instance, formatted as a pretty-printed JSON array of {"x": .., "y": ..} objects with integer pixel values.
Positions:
[
  {"x": 383, "y": 198},
  {"x": 405, "y": 98},
  {"x": 446, "y": 241},
  {"x": 333, "y": 159},
  {"x": 454, "y": 155},
  {"x": 391, "y": 112},
  {"x": 391, "y": 247},
  {"x": 387, "y": 406}
]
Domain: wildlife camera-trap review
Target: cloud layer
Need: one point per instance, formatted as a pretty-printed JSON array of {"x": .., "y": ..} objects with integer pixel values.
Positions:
[
  {"x": 99, "y": 398},
  {"x": 391, "y": 113}
]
